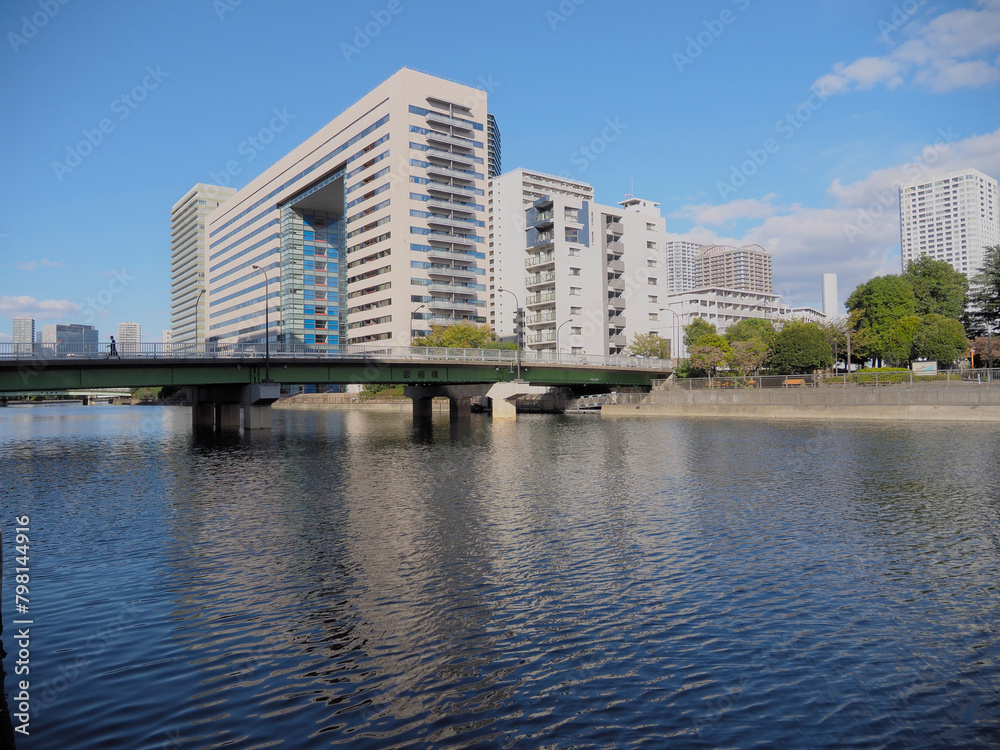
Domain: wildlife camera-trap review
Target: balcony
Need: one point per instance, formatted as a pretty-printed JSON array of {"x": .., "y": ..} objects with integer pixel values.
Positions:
[
  {"x": 454, "y": 239},
  {"x": 543, "y": 217},
  {"x": 445, "y": 187},
  {"x": 616, "y": 266},
  {"x": 616, "y": 321},
  {"x": 614, "y": 246},
  {"x": 617, "y": 285},
  {"x": 541, "y": 318},
  {"x": 455, "y": 206},
  {"x": 451, "y": 289},
  {"x": 458, "y": 174},
  {"x": 446, "y": 304},
  {"x": 435, "y": 117},
  {"x": 542, "y": 238},
  {"x": 452, "y": 140},
  {"x": 448, "y": 221},
  {"x": 547, "y": 336},
  {"x": 541, "y": 299},
  {"x": 451, "y": 272},
  {"x": 617, "y": 340},
  {"x": 440, "y": 252},
  {"x": 540, "y": 279},
  {"x": 542, "y": 259},
  {"x": 451, "y": 156}
]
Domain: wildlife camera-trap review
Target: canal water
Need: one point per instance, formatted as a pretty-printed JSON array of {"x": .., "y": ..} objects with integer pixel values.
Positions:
[{"x": 561, "y": 582}]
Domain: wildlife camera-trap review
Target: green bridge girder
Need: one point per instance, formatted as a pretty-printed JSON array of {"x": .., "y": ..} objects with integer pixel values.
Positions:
[{"x": 64, "y": 374}]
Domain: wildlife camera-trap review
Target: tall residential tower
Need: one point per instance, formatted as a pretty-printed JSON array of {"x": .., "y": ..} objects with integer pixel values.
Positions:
[{"x": 950, "y": 218}]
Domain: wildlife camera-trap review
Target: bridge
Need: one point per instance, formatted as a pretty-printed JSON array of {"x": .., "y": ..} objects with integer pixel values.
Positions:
[
  {"x": 225, "y": 379},
  {"x": 86, "y": 395}
]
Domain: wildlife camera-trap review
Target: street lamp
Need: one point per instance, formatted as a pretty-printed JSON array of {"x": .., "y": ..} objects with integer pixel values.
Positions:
[
  {"x": 196, "y": 303},
  {"x": 517, "y": 336},
  {"x": 557, "y": 335},
  {"x": 411, "y": 325},
  {"x": 674, "y": 333},
  {"x": 267, "y": 324}
]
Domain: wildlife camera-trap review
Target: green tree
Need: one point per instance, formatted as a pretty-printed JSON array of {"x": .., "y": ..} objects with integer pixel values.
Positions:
[
  {"x": 697, "y": 330},
  {"x": 748, "y": 356},
  {"x": 752, "y": 329},
  {"x": 897, "y": 343},
  {"x": 464, "y": 336},
  {"x": 937, "y": 287},
  {"x": 707, "y": 358},
  {"x": 650, "y": 345},
  {"x": 877, "y": 305},
  {"x": 940, "y": 338},
  {"x": 799, "y": 348},
  {"x": 984, "y": 299}
]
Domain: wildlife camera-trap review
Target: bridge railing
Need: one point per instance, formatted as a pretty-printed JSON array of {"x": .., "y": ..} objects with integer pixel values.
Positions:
[{"x": 277, "y": 350}]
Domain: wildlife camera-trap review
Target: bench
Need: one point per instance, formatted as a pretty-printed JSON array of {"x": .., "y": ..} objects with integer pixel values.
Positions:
[{"x": 794, "y": 382}]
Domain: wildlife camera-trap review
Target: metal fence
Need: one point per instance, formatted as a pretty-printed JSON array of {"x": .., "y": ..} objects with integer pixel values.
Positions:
[
  {"x": 982, "y": 376},
  {"x": 147, "y": 351}
]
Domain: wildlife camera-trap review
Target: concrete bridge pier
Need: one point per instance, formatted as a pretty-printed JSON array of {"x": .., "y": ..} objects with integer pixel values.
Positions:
[{"x": 218, "y": 407}]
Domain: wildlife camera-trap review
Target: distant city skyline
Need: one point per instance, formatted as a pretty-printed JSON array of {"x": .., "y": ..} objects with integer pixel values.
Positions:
[{"x": 801, "y": 151}]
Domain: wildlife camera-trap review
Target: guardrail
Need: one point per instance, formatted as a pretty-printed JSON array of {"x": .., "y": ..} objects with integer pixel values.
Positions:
[
  {"x": 148, "y": 351},
  {"x": 873, "y": 378}
]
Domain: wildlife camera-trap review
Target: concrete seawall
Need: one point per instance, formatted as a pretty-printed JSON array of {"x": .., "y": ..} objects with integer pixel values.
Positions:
[{"x": 928, "y": 403}]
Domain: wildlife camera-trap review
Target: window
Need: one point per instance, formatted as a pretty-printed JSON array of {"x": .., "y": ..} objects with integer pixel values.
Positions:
[
  {"x": 650, "y": 263},
  {"x": 577, "y": 350},
  {"x": 574, "y": 291},
  {"x": 574, "y": 252},
  {"x": 576, "y": 330},
  {"x": 650, "y": 226},
  {"x": 574, "y": 271},
  {"x": 572, "y": 214},
  {"x": 572, "y": 234},
  {"x": 651, "y": 281},
  {"x": 653, "y": 299},
  {"x": 654, "y": 316},
  {"x": 650, "y": 245},
  {"x": 576, "y": 311}
]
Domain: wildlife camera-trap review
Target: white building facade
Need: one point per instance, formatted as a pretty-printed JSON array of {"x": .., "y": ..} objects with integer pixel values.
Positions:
[
  {"x": 371, "y": 230},
  {"x": 188, "y": 221},
  {"x": 129, "y": 337},
  {"x": 952, "y": 217},
  {"x": 23, "y": 334}
]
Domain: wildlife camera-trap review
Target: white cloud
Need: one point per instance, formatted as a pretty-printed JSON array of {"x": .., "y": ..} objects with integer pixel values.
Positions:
[
  {"x": 44, "y": 309},
  {"x": 727, "y": 213},
  {"x": 857, "y": 235},
  {"x": 32, "y": 265},
  {"x": 954, "y": 50}
]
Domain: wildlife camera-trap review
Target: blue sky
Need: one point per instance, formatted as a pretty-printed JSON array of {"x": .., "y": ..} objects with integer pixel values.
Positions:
[{"x": 785, "y": 123}]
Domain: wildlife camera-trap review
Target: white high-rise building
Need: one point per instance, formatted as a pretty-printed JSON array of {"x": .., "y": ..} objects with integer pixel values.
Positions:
[
  {"x": 188, "y": 220},
  {"x": 370, "y": 231},
  {"x": 168, "y": 337},
  {"x": 509, "y": 196},
  {"x": 129, "y": 337},
  {"x": 24, "y": 334},
  {"x": 951, "y": 218},
  {"x": 747, "y": 267},
  {"x": 681, "y": 257},
  {"x": 831, "y": 306}
]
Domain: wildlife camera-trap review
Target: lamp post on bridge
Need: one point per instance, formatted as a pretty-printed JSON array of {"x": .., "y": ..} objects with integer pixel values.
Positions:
[
  {"x": 267, "y": 324},
  {"x": 517, "y": 335},
  {"x": 674, "y": 333},
  {"x": 196, "y": 303},
  {"x": 570, "y": 320},
  {"x": 411, "y": 322}
]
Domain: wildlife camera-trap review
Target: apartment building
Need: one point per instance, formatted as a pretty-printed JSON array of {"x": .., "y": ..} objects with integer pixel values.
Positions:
[
  {"x": 188, "y": 221},
  {"x": 370, "y": 231},
  {"x": 952, "y": 218},
  {"x": 23, "y": 334},
  {"x": 747, "y": 267},
  {"x": 681, "y": 258},
  {"x": 129, "y": 337}
]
